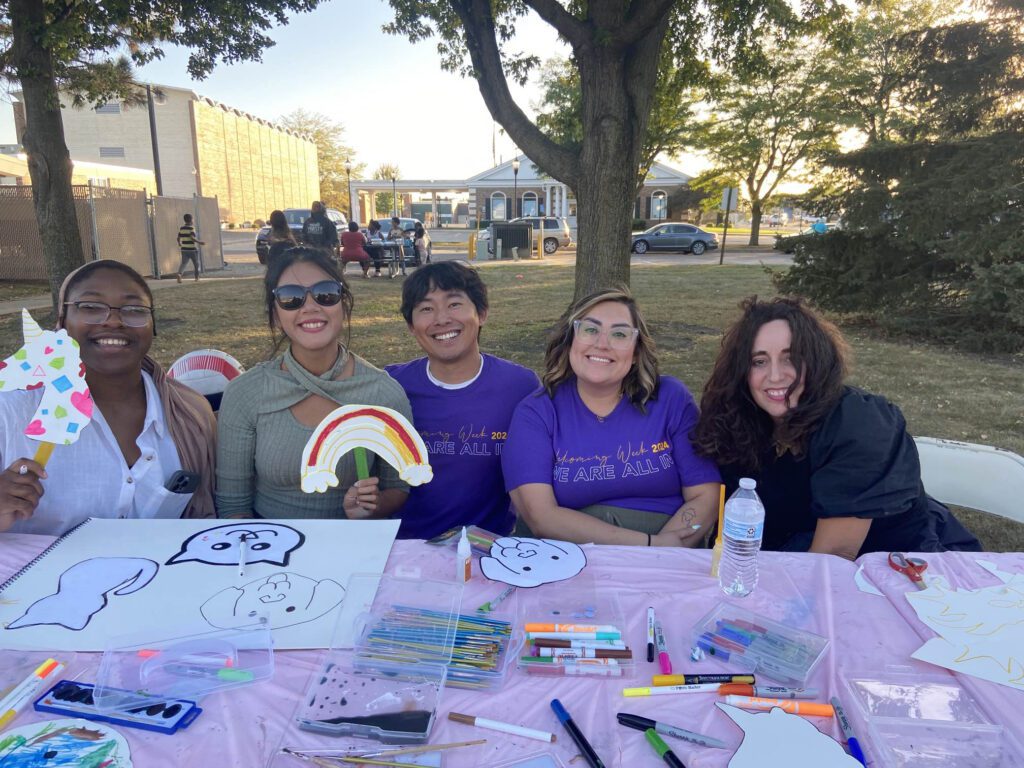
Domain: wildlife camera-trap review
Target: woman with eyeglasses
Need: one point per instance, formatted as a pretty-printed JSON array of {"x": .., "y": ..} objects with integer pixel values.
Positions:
[
  {"x": 269, "y": 412},
  {"x": 149, "y": 449},
  {"x": 602, "y": 454}
]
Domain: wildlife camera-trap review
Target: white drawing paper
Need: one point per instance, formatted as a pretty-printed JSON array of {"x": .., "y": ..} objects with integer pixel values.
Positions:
[
  {"x": 70, "y": 742},
  {"x": 525, "y": 562},
  {"x": 195, "y": 593},
  {"x": 981, "y": 631},
  {"x": 864, "y": 583},
  {"x": 777, "y": 739}
]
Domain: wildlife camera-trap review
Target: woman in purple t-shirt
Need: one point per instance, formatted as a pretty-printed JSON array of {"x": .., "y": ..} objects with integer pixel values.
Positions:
[{"x": 603, "y": 453}]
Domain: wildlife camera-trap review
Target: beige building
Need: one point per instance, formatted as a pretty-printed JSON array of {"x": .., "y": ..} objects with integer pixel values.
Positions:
[
  {"x": 14, "y": 172},
  {"x": 205, "y": 148}
]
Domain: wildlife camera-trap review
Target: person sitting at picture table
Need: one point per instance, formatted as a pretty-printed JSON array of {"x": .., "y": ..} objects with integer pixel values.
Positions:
[
  {"x": 397, "y": 235},
  {"x": 462, "y": 402},
  {"x": 268, "y": 413},
  {"x": 602, "y": 454},
  {"x": 376, "y": 251},
  {"x": 836, "y": 470},
  {"x": 146, "y": 429},
  {"x": 352, "y": 248}
]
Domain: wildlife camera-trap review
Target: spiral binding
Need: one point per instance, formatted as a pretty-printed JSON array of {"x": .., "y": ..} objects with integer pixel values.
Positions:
[{"x": 28, "y": 566}]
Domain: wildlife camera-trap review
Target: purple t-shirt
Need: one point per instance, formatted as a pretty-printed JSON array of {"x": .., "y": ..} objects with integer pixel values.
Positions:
[
  {"x": 627, "y": 459},
  {"x": 464, "y": 431}
]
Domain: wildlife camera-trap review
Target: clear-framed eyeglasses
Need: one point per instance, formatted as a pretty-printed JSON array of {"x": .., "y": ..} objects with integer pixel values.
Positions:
[
  {"x": 96, "y": 313},
  {"x": 618, "y": 336}
]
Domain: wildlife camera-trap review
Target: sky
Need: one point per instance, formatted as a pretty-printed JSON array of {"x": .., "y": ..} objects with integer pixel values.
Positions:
[{"x": 337, "y": 61}]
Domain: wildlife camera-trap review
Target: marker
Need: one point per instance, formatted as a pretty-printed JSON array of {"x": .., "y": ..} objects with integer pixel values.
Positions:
[
  {"x": 768, "y": 691},
  {"x": 492, "y": 604},
  {"x": 851, "y": 741},
  {"x": 662, "y": 749},
  {"x": 813, "y": 708},
  {"x": 241, "y": 554},
  {"x": 574, "y": 635},
  {"x": 610, "y": 645},
  {"x": 225, "y": 673},
  {"x": 659, "y": 639},
  {"x": 577, "y": 735},
  {"x": 650, "y": 634},
  {"x": 574, "y": 628},
  {"x": 643, "y": 723},
  {"x": 497, "y": 725},
  {"x": 670, "y": 689},
  {"x": 585, "y": 653},
  {"x": 694, "y": 679},
  {"x": 25, "y": 691},
  {"x": 570, "y": 660}
]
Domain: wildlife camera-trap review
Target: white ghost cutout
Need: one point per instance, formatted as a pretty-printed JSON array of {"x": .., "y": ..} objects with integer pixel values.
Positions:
[
  {"x": 777, "y": 739},
  {"x": 83, "y": 588},
  {"x": 524, "y": 562},
  {"x": 285, "y": 599},
  {"x": 264, "y": 543}
]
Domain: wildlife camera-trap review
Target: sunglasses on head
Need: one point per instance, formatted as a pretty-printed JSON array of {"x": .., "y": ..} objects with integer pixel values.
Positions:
[{"x": 326, "y": 293}]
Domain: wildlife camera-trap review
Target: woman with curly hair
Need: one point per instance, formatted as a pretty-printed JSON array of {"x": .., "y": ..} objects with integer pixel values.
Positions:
[
  {"x": 835, "y": 467},
  {"x": 602, "y": 453}
]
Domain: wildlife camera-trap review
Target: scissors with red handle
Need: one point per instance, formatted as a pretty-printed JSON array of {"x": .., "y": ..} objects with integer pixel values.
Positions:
[{"x": 911, "y": 567}]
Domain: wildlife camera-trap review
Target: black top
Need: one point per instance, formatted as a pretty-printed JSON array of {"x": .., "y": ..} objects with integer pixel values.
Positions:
[{"x": 860, "y": 462}]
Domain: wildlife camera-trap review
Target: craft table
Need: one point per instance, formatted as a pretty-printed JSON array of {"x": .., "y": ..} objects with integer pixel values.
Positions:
[{"x": 870, "y": 635}]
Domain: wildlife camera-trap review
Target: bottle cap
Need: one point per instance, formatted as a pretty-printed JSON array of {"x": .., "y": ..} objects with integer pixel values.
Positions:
[{"x": 748, "y": 484}]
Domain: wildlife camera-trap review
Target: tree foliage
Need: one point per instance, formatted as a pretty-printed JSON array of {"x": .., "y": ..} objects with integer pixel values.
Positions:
[
  {"x": 617, "y": 47},
  {"x": 765, "y": 124},
  {"x": 386, "y": 203},
  {"x": 933, "y": 202},
  {"x": 331, "y": 152},
  {"x": 75, "y": 45}
]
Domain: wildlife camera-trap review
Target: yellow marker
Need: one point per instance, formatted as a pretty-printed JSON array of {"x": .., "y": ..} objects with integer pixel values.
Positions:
[{"x": 669, "y": 689}]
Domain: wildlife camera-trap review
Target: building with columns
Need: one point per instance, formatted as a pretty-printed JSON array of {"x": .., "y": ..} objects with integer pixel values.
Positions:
[{"x": 511, "y": 189}]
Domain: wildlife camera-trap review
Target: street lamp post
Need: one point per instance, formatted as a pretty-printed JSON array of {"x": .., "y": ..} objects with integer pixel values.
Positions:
[
  {"x": 394, "y": 195},
  {"x": 348, "y": 182},
  {"x": 515, "y": 187}
]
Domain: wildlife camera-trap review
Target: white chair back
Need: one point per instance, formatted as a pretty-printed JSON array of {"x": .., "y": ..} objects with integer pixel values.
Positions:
[{"x": 975, "y": 476}]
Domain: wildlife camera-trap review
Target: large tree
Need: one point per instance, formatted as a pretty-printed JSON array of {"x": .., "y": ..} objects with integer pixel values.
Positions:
[
  {"x": 386, "y": 203},
  {"x": 331, "y": 154},
  {"x": 765, "y": 124},
  {"x": 616, "y": 46},
  {"x": 51, "y": 46}
]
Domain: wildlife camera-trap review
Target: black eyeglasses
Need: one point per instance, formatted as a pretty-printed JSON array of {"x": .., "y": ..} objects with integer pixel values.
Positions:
[
  {"x": 97, "y": 313},
  {"x": 326, "y": 293}
]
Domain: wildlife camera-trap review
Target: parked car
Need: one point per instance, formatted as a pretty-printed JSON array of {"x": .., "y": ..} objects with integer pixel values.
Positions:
[
  {"x": 788, "y": 243},
  {"x": 674, "y": 236},
  {"x": 556, "y": 231},
  {"x": 296, "y": 218}
]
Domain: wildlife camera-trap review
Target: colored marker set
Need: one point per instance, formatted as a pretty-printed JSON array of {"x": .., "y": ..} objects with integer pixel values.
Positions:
[
  {"x": 73, "y": 699},
  {"x": 754, "y": 643},
  {"x": 574, "y": 649}
]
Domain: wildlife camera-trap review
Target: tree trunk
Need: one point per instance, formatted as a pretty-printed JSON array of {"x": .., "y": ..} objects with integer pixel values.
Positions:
[
  {"x": 755, "y": 221},
  {"x": 49, "y": 163},
  {"x": 617, "y": 93}
]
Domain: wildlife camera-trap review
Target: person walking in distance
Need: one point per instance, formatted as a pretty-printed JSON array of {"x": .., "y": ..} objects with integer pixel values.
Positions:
[{"x": 188, "y": 244}]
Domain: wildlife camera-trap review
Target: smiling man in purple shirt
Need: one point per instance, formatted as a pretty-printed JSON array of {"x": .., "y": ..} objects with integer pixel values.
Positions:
[{"x": 462, "y": 402}]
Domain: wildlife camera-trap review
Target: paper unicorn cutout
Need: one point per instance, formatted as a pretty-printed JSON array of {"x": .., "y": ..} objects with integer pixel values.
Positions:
[
  {"x": 778, "y": 739},
  {"x": 50, "y": 359}
]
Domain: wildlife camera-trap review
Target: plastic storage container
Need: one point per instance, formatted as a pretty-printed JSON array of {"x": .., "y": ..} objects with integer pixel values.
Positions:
[
  {"x": 748, "y": 641},
  {"x": 389, "y": 686}
]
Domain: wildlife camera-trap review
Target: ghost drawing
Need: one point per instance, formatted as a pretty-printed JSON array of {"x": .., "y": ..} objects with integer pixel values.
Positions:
[
  {"x": 83, "y": 589},
  {"x": 271, "y": 543},
  {"x": 779, "y": 738},
  {"x": 285, "y": 599},
  {"x": 532, "y": 562}
]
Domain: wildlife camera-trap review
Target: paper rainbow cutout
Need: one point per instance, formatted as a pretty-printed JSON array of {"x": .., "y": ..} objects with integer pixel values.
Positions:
[{"x": 384, "y": 431}]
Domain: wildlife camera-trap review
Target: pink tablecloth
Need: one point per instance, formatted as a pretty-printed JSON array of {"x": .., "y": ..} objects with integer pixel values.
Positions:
[{"x": 870, "y": 635}]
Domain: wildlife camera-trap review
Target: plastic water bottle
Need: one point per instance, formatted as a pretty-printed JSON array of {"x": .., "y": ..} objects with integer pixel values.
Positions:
[{"x": 742, "y": 529}]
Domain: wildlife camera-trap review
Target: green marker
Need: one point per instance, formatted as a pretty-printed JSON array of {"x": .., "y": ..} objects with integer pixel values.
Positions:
[
  {"x": 662, "y": 749},
  {"x": 235, "y": 675}
]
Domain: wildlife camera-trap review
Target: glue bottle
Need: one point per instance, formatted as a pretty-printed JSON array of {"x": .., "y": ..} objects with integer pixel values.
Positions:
[{"x": 464, "y": 559}]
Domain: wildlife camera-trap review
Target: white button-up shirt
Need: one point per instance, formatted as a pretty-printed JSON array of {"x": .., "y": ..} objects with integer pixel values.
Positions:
[{"x": 90, "y": 478}]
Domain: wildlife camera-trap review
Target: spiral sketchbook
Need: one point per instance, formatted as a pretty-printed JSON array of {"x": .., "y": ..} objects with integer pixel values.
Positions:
[{"x": 107, "y": 578}]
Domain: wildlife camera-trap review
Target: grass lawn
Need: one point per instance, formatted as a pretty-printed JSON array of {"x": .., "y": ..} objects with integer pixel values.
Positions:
[
  {"x": 943, "y": 393},
  {"x": 19, "y": 290}
]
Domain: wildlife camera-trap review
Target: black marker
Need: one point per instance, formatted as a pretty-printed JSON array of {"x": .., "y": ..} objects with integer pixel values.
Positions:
[
  {"x": 650, "y": 634},
  {"x": 577, "y": 735}
]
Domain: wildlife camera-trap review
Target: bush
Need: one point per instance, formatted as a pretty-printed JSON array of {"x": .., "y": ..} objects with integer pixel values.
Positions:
[
  {"x": 639, "y": 225},
  {"x": 259, "y": 223}
]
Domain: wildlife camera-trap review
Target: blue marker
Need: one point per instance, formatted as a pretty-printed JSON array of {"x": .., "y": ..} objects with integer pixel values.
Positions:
[
  {"x": 577, "y": 735},
  {"x": 851, "y": 741}
]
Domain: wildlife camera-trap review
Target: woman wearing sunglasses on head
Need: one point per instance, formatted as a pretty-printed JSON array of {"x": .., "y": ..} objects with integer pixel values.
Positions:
[
  {"x": 602, "y": 454},
  {"x": 269, "y": 412},
  {"x": 149, "y": 449}
]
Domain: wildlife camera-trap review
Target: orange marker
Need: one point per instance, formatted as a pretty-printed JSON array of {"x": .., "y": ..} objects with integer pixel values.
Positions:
[
  {"x": 812, "y": 708},
  {"x": 767, "y": 691}
]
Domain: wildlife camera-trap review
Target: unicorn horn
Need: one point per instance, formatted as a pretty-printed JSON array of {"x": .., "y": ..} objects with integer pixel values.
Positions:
[{"x": 29, "y": 327}]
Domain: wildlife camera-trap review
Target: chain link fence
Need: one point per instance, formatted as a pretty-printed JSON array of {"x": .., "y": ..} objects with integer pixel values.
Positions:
[{"x": 113, "y": 224}]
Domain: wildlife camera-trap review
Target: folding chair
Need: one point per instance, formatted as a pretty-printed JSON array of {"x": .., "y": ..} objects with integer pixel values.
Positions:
[{"x": 975, "y": 476}]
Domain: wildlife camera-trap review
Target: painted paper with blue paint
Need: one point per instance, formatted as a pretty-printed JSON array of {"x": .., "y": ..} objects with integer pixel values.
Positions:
[{"x": 68, "y": 743}]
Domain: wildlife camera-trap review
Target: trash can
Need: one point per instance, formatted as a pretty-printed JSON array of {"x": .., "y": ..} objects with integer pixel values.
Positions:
[{"x": 516, "y": 240}]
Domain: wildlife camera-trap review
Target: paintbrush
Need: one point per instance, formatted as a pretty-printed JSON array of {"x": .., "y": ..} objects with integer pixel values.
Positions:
[{"x": 423, "y": 748}]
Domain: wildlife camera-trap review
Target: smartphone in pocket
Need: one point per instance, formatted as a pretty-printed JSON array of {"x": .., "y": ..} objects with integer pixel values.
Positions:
[{"x": 183, "y": 482}]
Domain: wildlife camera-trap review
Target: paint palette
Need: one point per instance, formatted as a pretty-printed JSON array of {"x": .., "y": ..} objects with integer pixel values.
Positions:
[{"x": 75, "y": 699}]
